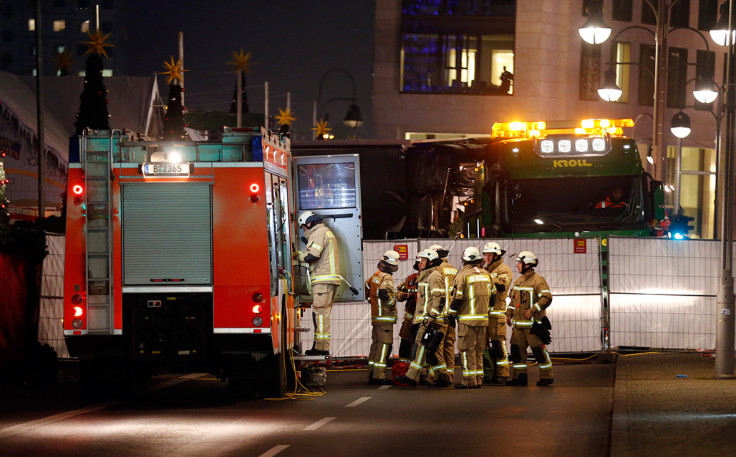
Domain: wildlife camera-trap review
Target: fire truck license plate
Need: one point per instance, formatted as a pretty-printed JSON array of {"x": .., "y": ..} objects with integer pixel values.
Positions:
[{"x": 166, "y": 169}]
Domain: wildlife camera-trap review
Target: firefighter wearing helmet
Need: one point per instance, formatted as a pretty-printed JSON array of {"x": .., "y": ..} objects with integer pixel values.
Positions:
[
  {"x": 495, "y": 359},
  {"x": 471, "y": 294},
  {"x": 323, "y": 258},
  {"x": 530, "y": 297},
  {"x": 381, "y": 295},
  {"x": 430, "y": 296},
  {"x": 447, "y": 325}
]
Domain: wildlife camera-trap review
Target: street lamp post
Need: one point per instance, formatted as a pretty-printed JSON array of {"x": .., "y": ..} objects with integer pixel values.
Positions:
[
  {"x": 353, "y": 118},
  {"x": 725, "y": 299}
]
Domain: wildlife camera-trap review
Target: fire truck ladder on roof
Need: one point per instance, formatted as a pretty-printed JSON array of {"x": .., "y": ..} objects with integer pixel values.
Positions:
[{"x": 97, "y": 161}]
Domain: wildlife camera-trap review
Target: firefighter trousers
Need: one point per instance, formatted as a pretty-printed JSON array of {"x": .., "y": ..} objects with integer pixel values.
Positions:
[
  {"x": 382, "y": 336},
  {"x": 496, "y": 359},
  {"x": 448, "y": 351},
  {"x": 324, "y": 295},
  {"x": 521, "y": 339},
  {"x": 420, "y": 362},
  {"x": 471, "y": 341}
]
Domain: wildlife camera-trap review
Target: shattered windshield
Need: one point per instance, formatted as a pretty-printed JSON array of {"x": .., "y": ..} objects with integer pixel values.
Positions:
[{"x": 576, "y": 203}]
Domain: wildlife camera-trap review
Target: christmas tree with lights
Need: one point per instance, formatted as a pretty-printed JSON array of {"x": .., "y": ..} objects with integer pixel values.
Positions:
[
  {"x": 174, "y": 120},
  {"x": 93, "y": 106}
]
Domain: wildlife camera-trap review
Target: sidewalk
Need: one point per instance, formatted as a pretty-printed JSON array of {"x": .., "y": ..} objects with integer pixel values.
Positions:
[{"x": 669, "y": 404}]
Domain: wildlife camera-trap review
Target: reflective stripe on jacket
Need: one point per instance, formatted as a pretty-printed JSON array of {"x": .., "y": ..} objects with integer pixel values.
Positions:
[
  {"x": 474, "y": 287},
  {"x": 530, "y": 292},
  {"x": 323, "y": 245},
  {"x": 382, "y": 311},
  {"x": 430, "y": 291}
]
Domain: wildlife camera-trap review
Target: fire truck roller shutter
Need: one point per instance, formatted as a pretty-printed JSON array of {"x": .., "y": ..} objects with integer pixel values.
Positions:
[{"x": 167, "y": 234}]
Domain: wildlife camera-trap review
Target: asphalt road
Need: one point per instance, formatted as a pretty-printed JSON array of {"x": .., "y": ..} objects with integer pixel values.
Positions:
[{"x": 195, "y": 415}]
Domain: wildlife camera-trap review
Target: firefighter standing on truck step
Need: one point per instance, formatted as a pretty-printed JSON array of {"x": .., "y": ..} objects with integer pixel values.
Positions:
[
  {"x": 448, "y": 342},
  {"x": 430, "y": 301},
  {"x": 324, "y": 267},
  {"x": 471, "y": 294},
  {"x": 530, "y": 297},
  {"x": 381, "y": 295},
  {"x": 496, "y": 371}
]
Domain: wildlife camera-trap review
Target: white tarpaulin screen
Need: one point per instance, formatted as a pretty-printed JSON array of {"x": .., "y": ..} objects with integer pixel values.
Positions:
[
  {"x": 574, "y": 279},
  {"x": 663, "y": 292}
]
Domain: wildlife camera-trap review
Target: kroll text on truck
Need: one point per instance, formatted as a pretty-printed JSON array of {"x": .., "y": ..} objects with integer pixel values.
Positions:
[{"x": 179, "y": 254}]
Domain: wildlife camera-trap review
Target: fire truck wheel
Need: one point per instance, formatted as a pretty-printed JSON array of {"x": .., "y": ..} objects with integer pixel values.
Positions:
[{"x": 274, "y": 385}]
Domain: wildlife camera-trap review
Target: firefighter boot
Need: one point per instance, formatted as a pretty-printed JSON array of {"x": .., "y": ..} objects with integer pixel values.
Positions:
[
  {"x": 443, "y": 380},
  {"x": 405, "y": 380},
  {"x": 521, "y": 380},
  {"x": 545, "y": 382}
]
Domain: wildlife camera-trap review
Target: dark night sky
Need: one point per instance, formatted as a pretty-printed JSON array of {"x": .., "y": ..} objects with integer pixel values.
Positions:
[{"x": 293, "y": 44}]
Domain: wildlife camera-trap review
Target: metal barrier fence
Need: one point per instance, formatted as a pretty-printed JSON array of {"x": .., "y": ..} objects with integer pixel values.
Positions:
[
  {"x": 663, "y": 292},
  {"x": 572, "y": 271}
]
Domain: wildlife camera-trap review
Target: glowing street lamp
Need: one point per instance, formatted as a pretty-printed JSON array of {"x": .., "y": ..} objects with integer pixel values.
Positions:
[{"x": 595, "y": 30}]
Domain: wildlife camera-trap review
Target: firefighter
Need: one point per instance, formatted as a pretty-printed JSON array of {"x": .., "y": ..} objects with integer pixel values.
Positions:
[
  {"x": 448, "y": 342},
  {"x": 471, "y": 294},
  {"x": 324, "y": 267},
  {"x": 381, "y": 295},
  {"x": 430, "y": 301},
  {"x": 495, "y": 359},
  {"x": 530, "y": 297},
  {"x": 407, "y": 292}
]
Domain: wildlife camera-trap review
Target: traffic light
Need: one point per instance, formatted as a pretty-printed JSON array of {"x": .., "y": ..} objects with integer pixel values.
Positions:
[{"x": 681, "y": 227}]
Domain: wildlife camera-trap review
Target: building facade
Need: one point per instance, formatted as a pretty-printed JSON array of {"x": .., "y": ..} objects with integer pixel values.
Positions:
[
  {"x": 449, "y": 68},
  {"x": 64, "y": 24}
]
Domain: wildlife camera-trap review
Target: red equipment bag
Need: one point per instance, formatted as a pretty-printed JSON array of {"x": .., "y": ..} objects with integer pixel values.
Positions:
[{"x": 399, "y": 369}]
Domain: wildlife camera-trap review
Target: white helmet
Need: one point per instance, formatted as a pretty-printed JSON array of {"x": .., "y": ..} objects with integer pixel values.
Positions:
[
  {"x": 391, "y": 258},
  {"x": 436, "y": 247},
  {"x": 428, "y": 254},
  {"x": 471, "y": 254},
  {"x": 493, "y": 248},
  {"x": 528, "y": 258},
  {"x": 306, "y": 217}
]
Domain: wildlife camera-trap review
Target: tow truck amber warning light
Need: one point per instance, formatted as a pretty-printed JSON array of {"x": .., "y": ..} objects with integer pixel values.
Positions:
[{"x": 541, "y": 129}]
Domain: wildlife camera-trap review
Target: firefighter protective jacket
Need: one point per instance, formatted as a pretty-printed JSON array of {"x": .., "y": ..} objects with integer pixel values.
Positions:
[
  {"x": 474, "y": 287},
  {"x": 448, "y": 273},
  {"x": 500, "y": 274},
  {"x": 530, "y": 291},
  {"x": 408, "y": 289},
  {"x": 430, "y": 292},
  {"x": 323, "y": 245},
  {"x": 383, "y": 311}
]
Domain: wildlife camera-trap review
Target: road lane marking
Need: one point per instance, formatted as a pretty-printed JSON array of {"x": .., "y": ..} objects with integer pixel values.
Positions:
[
  {"x": 319, "y": 423},
  {"x": 384, "y": 387},
  {"x": 358, "y": 402},
  {"x": 274, "y": 450}
]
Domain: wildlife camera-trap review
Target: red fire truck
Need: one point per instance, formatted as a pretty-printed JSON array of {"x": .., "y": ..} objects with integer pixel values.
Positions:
[{"x": 179, "y": 254}]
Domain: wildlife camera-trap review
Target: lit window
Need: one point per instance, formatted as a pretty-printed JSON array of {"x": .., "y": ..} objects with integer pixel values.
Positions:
[
  {"x": 31, "y": 24},
  {"x": 59, "y": 25},
  {"x": 84, "y": 27}
]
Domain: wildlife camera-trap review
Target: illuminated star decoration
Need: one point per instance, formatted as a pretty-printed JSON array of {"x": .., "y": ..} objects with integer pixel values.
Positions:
[
  {"x": 174, "y": 71},
  {"x": 321, "y": 129},
  {"x": 63, "y": 60},
  {"x": 97, "y": 44},
  {"x": 285, "y": 117},
  {"x": 241, "y": 61}
]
